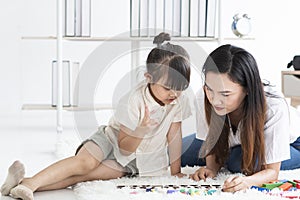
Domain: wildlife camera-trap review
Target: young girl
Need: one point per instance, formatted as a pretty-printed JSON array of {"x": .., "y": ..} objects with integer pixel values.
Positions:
[
  {"x": 246, "y": 128},
  {"x": 142, "y": 137}
]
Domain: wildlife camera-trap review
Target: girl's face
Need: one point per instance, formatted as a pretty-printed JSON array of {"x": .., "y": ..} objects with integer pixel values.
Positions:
[
  {"x": 164, "y": 94},
  {"x": 224, "y": 95}
]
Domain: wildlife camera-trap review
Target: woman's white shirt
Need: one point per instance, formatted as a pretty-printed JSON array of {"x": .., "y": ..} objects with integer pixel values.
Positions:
[{"x": 281, "y": 126}]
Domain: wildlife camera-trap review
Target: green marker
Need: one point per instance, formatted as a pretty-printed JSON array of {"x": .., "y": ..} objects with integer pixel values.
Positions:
[{"x": 271, "y": 185}]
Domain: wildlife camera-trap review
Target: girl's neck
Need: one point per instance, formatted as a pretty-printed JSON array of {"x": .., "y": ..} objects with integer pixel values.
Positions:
[{"x": 153, "y": 96}]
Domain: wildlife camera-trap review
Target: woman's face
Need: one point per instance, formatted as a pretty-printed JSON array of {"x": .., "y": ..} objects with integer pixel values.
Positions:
[{"x": 224, "y": 95}]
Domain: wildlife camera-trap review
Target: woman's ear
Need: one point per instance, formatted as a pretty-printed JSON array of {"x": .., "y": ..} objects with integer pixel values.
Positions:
[{"x": 148, "y": 77}]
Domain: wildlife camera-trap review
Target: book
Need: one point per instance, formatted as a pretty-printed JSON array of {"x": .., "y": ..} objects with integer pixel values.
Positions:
[
  {"x": 159, "y": 16},
  {"x": 202, "y": 18},
  {"x": 66, "y": 92},
  {"x": 144, "y": 18},
  {"x": 211, "y": 18},
  {"x": 185, "y": 18},
  {"x": 168, "y": 16},
  {"x": 70, "y": 18},
  {"x": 176, "y": 18},
  {"x": 74, "y": 80},
  {"x": 152, "y": 18},
  {"x": 78, "y": 18},
  {"x": 86, "y": 18},
  {"x": 194, "y": 17},
  {"x": 134, "y": 18}
]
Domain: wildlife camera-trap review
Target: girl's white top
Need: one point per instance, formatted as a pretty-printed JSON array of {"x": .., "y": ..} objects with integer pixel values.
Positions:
[{"x": 152, "y": 154}]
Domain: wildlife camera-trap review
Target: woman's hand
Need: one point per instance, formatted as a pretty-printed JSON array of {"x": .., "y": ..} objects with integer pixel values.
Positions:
[
  {"x": 180, "y": 175},
  {"x": 203, "y": 173},
  {"x": 236, "y": 183}
]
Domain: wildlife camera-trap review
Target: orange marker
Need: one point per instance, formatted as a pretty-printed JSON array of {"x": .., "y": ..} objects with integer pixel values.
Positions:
[{"x": 286, "y": 186}]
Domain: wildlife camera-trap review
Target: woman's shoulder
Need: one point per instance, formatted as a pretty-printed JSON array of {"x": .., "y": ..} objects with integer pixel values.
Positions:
[{"x": 276, "y": 103}]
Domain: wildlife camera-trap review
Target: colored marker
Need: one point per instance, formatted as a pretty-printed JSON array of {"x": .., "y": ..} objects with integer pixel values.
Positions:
[
  {"x": 286, "y": 186},
  {"x": 272, "y": 185},
  {"x": 261, "y": 189}
]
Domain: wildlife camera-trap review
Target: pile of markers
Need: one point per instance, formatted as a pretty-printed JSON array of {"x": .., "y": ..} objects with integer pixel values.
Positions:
[
  {"x": 283, "y": 188},
  {"x": 172, "y": 189}
]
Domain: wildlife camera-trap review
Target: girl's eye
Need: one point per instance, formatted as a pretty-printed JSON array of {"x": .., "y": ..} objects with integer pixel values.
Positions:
[
  {"x": 225, "y": 95},
  {"x": 168, "y": 89}
]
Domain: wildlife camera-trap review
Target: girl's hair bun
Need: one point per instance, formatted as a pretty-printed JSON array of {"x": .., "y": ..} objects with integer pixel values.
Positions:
[{"x": 161, "y": 38}]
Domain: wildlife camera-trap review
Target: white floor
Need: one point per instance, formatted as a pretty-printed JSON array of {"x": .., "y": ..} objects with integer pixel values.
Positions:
[{"x": 31, "y": 137}]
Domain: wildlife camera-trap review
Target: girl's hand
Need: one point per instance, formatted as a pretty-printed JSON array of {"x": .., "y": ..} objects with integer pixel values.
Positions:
[
  {"x": 147, "y": 121},
  {"x": 203, "y": 173},
  {"x": 236, "y": 183}
]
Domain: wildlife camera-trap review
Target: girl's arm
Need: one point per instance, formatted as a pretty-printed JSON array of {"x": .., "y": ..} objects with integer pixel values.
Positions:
[
  {"x": 233, "y": 184},
  {"x": 174, "y": 138},
  {"x": 129, "y": 140}
]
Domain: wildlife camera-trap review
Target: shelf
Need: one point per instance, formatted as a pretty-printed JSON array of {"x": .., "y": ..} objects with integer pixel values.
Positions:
[
  {"x": 67, "y": 108},
  {"x": 174, "y": 38},
  {"x": 117, "y": 38},
  {"x": 239, "y": 38},
  {"x": 291, "y": 72}
]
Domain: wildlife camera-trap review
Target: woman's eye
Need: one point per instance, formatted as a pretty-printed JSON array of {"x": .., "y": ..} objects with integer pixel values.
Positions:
[{"x": 207, "y": 88}]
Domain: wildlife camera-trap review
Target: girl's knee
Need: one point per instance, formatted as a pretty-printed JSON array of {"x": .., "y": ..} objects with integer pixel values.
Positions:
[{"x": 86, "y": 163}]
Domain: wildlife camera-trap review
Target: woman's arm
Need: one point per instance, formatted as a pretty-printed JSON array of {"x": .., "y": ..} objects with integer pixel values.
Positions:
[
  {"x": 233, "y": 184},
  {"x": 174, "y": 138}
]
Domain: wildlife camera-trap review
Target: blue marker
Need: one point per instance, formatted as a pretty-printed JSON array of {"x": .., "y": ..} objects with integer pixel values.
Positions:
[{"x": 261, "y": 189}]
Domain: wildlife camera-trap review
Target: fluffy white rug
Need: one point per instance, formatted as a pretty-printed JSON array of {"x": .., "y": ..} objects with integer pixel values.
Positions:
[{"x": 95, "y": 190}]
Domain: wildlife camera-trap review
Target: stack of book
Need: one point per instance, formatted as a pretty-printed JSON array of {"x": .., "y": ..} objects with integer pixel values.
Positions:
[
  {"x": 70, "y": 84},
  {"x": 77, "y": 18},
  {"x": 182, "y": 18}
]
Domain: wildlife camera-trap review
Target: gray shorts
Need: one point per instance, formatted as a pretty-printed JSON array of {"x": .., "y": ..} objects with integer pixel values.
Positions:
[{"x": 101, "y": 140}]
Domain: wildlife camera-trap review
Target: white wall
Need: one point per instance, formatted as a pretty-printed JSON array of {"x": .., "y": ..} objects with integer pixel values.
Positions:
[
  {"x": 25, "y": 73},
  {"x": 10, "y": 77}
]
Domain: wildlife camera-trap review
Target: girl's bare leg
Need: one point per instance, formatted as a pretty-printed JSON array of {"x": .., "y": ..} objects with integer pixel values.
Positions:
[
  {"x": 88, "y": 158},
  {"x": 108, "y": 169}
]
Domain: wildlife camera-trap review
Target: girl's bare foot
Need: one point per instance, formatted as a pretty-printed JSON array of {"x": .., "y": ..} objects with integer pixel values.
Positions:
[
  {"x": 15, "y": 175},
  {"x": 21, "y": 192}
]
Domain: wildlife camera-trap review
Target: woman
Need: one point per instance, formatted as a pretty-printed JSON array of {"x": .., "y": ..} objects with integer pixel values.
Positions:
[{"x": 247, "y": 127}]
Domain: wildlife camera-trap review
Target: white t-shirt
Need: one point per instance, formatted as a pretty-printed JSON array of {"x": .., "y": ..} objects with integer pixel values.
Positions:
[
  {"x": 151, "y": 155},
  {"x": 281, "y": 126}
]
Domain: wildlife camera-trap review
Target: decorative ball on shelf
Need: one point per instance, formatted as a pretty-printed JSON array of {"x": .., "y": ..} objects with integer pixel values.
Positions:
[{"x": 241, "y": 25}]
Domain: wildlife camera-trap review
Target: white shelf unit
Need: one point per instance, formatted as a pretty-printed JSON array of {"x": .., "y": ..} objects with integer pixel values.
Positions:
[{"x": 135, "y": 44}]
